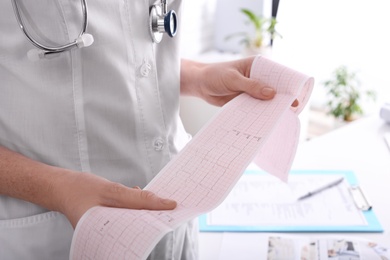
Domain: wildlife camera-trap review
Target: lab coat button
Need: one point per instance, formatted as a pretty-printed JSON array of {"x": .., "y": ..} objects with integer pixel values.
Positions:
[
  {"x": 145, "y": 69},
  {"x": 158, "y": 144}
]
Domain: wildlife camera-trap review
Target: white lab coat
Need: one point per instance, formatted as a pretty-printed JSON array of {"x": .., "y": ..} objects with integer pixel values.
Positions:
[{"x": 111, "y": 109}]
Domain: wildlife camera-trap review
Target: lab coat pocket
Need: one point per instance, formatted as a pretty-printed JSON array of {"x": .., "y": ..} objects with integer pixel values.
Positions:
[
  {"x": 46, "y": 21},
  {"x": 43, "y": 236}
]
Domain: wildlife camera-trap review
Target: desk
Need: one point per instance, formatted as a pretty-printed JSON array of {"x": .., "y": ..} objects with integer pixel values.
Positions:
[{"x": 358, "y": 146}]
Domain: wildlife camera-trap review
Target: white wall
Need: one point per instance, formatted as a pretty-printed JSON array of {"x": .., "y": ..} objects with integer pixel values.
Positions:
[
  {"x": 320, "y": 35},
  {"x": 197, "y": 27}
]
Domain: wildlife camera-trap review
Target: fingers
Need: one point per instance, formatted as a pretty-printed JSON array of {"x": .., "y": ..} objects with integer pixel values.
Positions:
[
  {"x": 250, "y": 86},
  {"x": 83, "y": 191},
  {"x": 256, "y": 89},
  {"x": 265, "y": 93},
  {"x": 135, "y": 198},
  {"x": 148, "y": 200}
]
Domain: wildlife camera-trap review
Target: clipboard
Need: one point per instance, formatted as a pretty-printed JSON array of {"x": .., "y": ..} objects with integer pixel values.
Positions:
[{"x": 355, "y": 192}]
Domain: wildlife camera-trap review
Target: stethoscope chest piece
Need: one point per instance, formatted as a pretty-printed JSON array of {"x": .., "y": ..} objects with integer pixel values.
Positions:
[{"x": 162, "y": 21}]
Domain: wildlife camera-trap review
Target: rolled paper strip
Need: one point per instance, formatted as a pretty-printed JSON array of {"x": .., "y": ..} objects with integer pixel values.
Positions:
[{"x": 202, "y": 175}]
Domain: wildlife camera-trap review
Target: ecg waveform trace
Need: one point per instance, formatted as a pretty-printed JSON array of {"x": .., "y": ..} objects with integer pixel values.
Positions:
[{"x": 201, "y": 176}]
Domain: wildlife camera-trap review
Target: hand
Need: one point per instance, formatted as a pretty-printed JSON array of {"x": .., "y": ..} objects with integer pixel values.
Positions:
[
  {"x": 218, "y": 83},
  {"x": 69, "y": 192},
  {"x": 82, "y": 191}
]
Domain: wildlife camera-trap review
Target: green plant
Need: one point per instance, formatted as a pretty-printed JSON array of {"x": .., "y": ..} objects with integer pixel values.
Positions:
[
  {"x": 264, "y": 30},
  {"x": 345, "y": 94}
]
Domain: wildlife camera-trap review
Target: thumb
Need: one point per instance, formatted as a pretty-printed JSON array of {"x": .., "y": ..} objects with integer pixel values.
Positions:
[
  {"x": 149, "y": 200},
  {"x": 256, "y": 89}
]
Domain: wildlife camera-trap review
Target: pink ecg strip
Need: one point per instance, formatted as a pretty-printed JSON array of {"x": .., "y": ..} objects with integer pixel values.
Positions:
[{"x": 201, "y": 176}]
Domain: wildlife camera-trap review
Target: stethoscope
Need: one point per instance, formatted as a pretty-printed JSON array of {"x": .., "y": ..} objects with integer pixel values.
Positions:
[{"x": 160, "y": 21}]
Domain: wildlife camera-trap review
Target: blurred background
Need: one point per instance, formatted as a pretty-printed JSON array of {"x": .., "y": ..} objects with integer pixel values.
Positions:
[{"x": 343, "y": 44}]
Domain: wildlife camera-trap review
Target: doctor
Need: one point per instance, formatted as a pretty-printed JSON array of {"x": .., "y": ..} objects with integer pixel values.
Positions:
[{"x": 90, "y": 126}]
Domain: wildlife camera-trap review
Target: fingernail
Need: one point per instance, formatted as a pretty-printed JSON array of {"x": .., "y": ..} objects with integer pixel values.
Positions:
[
  {"x": 268, "y": 91},
  {"x": 167, "y": 201},
  {"x": 295, "y": 103}
]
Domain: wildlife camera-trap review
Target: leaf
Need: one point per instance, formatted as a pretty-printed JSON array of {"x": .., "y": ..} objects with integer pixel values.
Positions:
[{"x": 256, "y": 21}]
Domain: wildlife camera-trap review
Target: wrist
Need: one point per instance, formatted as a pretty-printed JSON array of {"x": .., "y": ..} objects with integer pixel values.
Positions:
[
  {"x": 29, "y": 180},
  {"x": 191, "y": 77}
]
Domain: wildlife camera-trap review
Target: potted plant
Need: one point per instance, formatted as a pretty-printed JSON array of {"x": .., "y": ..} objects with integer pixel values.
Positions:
[
  {"x": 345, "y": 94},
  {"x": 264, "y": 33}
]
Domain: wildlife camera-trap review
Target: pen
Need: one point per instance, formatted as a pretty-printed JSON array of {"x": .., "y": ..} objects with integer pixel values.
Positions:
[
  {"x": 387, "y": 139},
  {"x": 327, "y": 186}
]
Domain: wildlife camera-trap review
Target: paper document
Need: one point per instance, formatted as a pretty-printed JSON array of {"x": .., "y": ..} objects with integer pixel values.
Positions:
[
  {"x": 277, "y": 247},
  {"x": 259, "y": 202},
  {"x": 264, "y": 202},
  {"x": 201, "y": 176}
]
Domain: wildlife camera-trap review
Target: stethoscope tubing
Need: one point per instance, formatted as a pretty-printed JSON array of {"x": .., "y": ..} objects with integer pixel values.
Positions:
[
  {"x": 48, "y": 49},
  {"x": 160, "y": 21}
]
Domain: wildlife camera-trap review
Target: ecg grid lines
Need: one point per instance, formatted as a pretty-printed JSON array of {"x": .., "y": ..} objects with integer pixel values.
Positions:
[
  {"x": 204, "y": 172},
  {"x": 198, "y": 178}
]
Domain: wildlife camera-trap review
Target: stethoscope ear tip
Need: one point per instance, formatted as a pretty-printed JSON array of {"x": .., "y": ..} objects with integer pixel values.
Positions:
[
  {"x": 85, "y": 40},
  {"x": 35, "y": 54}
]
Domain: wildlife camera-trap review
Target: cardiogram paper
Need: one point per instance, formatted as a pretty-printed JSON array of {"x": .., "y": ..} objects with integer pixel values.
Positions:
[{"x": 201, "y": 176}]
